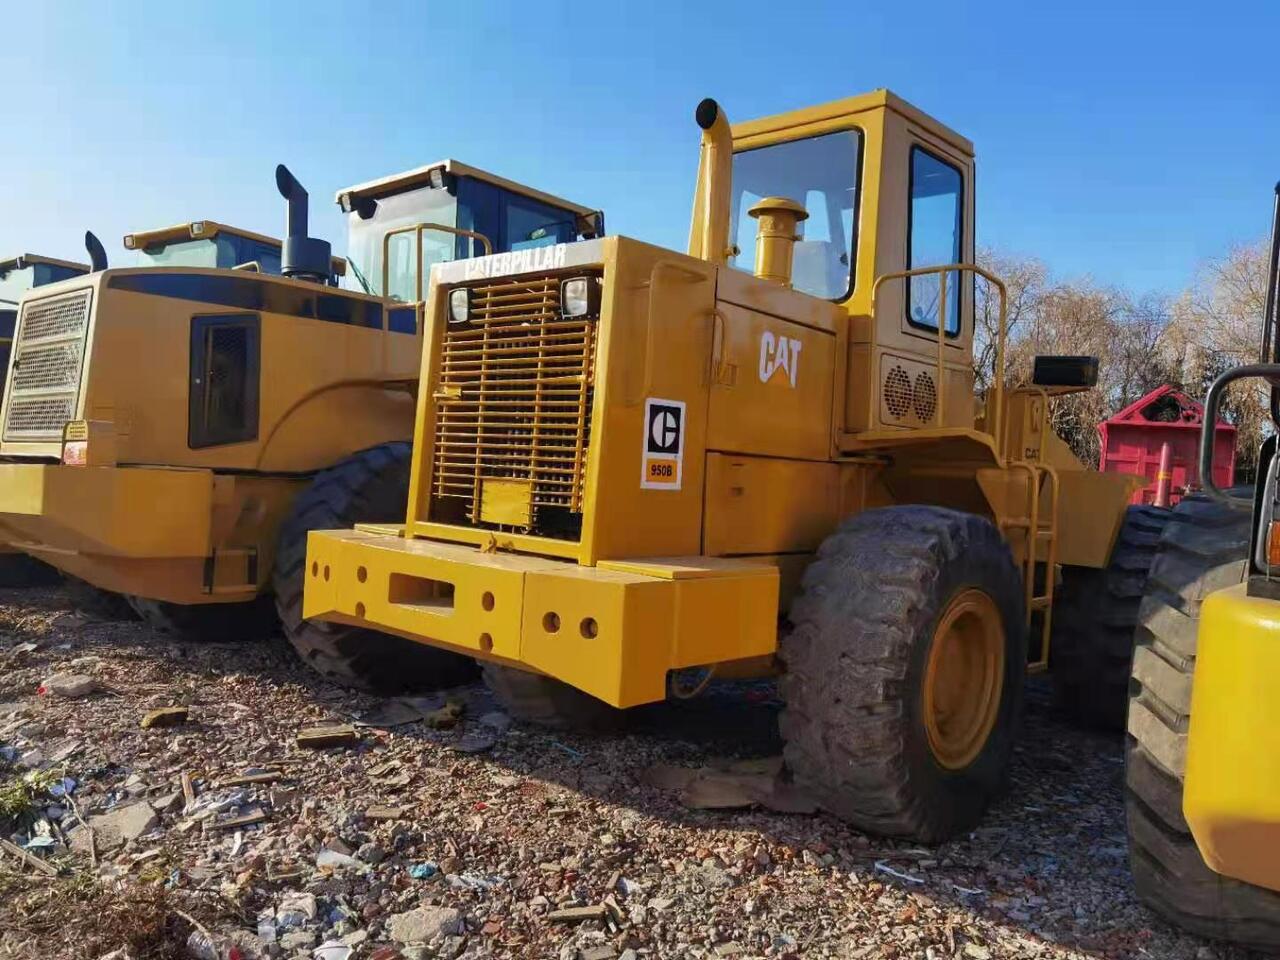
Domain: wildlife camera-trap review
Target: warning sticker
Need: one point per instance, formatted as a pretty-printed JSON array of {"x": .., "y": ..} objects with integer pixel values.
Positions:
[{"x": 663, "y": 453}]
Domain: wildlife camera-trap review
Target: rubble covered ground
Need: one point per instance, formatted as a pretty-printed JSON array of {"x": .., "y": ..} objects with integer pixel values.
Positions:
[{"x": 432, "y": 827}]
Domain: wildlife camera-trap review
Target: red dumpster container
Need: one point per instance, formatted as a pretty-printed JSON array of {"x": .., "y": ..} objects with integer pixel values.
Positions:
[{"x": 1165, "y": 421}]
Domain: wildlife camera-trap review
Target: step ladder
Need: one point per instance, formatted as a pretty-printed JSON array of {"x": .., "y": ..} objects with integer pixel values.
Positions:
[{"x": 1039, "y": 536}]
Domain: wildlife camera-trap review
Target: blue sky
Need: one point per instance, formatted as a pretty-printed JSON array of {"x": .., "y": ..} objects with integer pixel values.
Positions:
[{"x": 1129, "y": 141}]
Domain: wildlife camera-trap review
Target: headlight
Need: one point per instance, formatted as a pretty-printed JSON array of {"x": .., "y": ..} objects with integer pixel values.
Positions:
[
  {"x": 460, "y": 305},
  {"x": 579, "y": 297},
  {"x": 197, "y": 228}
]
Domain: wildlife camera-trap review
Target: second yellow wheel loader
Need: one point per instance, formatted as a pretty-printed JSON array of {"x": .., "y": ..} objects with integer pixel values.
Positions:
[
  {"x": 634, "y": 468},
  {"x": 18, "y": 275},
  {"x": 160, "y": 420},
  {"x": 1203, "y": 764}
]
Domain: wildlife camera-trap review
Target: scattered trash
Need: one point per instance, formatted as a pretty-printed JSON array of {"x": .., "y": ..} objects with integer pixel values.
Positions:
[
  {"x": 338, "y": 861},
  {"x": 62, "y": 787},
  {"x": 384, "y": 813},
  {"x": 421, "y": 871},
  {"x": 396, "y": 712},
  {"x": 884, "y": 867},
  {"x": 565, "y": 748},
  {"x": 164, "y": 717},
  {"x": 332, "y": 950},
  {"x": 333, "y": 735},
  {"x": 578, "y": 914},
  {"x": 295, "y": 910},
  {"x": 447, "y": 717},
  {"x": 473, "y": 881},
  {"x": 69, "y": 686},
  {"x": 732, "y": 785}
]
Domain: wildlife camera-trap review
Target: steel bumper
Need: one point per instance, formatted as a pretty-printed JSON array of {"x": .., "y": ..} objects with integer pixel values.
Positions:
[
  {"x": 132, "y": 512},
  {"x": 613, "y": 630}
]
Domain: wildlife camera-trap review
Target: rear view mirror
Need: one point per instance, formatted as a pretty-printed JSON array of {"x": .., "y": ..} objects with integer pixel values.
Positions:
[{"x": 1079, "y": 372}]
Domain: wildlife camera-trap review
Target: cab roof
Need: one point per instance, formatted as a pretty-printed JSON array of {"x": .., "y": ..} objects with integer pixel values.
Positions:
[
  {"x": 31, "y": 259},
  {"x": 206, "y": 230},
  {"x": 882, "y": 98},
  {"x": 399, "y": 182}
]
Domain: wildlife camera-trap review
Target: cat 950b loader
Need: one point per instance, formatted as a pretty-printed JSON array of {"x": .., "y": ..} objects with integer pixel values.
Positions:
[
  {"x": 160, "y": 420},
  {"x": 634, "y": 468}
]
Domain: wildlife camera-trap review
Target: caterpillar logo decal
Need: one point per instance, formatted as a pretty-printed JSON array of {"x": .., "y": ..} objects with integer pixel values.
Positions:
[
  {"x": 663, "y": 451},
  {"x": 779, "y": 353}
]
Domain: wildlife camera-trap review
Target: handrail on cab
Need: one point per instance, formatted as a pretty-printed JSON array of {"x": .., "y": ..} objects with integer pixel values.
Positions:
[
  {"x": 942, "y": 272},
  {"x": 417, "y": 230},
  {"x": 1209, "y": 429}
]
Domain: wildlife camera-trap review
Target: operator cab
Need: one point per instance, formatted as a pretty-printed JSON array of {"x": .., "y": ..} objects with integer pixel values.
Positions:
[
  {"x": 20, "y": 274},
  {"x": 400, "y": 226},
  {"x": 213, "y": 245}
]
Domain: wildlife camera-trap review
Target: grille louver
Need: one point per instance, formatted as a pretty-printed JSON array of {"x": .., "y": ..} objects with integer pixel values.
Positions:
[
  {"x": 513, "y": 407},
  {"x": 48, "y": 358}
]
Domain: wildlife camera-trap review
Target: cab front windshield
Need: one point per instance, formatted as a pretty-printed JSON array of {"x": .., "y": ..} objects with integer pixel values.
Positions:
[
  {"x": 822, "y": 174},
  {"x": 223, "y": 251},
  {"x": 510, "y": 221},
  {"x": 14, "y": 283}
]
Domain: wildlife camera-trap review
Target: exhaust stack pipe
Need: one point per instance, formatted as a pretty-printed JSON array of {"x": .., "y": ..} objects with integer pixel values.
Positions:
[
  {"x": 709, "y": 228},
  {"x": 97, "y": 252},
  {"x": 304, "y": 258}
]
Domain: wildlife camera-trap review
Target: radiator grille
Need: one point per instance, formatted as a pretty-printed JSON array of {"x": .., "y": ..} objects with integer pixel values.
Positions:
[
  {"x": 53, "y": 366},
  {"x": 513, "y": 403},
  {"x": 48, "y": 356}
]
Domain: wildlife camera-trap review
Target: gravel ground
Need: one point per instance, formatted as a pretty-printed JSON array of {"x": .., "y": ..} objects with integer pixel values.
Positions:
[{"x": 486, "y": 841}]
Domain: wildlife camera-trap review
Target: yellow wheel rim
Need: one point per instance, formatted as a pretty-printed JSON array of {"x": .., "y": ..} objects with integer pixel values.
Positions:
[{"x": 964, "y": 678}]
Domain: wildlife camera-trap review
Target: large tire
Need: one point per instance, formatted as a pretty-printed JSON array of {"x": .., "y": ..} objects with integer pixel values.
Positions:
[
  {"x": 94, "y": 603},
  {"x": 1094, "y": 620},
  {"x": 546, "y": 702},
  {"x": 854, "y": 720},
  {"x": 1204, "y": 548},
  {"x": 209, "y": 622},
  {"x": 369, "y": 486}
]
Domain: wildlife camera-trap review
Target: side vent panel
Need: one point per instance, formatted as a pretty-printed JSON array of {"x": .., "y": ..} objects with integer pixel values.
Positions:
[{"x": 908, "y": 392}]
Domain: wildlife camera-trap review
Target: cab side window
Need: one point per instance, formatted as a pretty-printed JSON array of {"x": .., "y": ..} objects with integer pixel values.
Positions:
[{"x": 935, "y": 238}]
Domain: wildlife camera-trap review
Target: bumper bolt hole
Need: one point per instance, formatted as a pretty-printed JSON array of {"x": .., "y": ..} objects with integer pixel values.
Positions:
[
  {"x": 362, "y": 574},
  {"x": 589, "y": 628},
  {"x": 360, "y": 610},
  {"x": 486, "y": 642},
  {"x": 326, "y": 571},
  {"x": 551, "y": 622},
  {"x": 487, "y": 601},
  {"x": 315, "y": 568}
]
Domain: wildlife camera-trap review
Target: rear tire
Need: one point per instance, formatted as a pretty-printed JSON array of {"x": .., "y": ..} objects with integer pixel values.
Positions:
[
  {"x": 546, "y": 702},
  {"x": 209, "y": 622},
  {"x": 94, "y": 603},
  {"x": 865, "y": 631},
  {"x": 1204, "y": 548},
  {"x": 1094, "y": 622},
  {"x": 369, "y": 486}
]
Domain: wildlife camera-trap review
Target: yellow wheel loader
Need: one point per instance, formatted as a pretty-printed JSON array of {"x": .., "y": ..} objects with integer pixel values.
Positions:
[
  {"x": 1203, "y": 758},
  {"x": 160, "y": 420},
  {"x": 18, "y": 275},
  {"x": 634, "y": 469}
]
